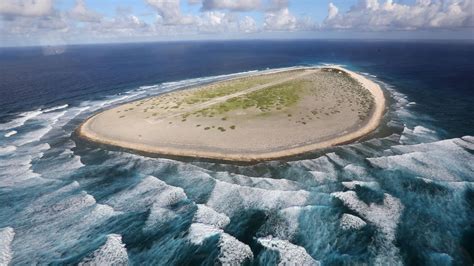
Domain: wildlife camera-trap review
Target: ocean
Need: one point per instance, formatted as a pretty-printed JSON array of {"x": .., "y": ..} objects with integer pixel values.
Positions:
[{"x": 402, "y": 196}]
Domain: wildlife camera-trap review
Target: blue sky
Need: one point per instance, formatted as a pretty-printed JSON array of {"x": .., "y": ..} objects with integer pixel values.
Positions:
[{"x": 50, "y": 22}]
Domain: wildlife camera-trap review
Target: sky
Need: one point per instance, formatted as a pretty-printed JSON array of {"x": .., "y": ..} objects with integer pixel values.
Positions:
[{"x": 59, "y": 22}]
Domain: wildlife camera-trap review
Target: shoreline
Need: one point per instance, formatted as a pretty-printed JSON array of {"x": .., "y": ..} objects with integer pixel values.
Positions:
[{"x": 84, "y": 132}]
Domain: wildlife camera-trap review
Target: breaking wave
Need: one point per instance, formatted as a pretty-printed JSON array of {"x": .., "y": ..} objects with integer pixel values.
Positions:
[{"x": 67, "y": 202}]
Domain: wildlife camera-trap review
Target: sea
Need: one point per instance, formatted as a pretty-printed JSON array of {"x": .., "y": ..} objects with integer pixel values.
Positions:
[{"x": 404, "y": 195}]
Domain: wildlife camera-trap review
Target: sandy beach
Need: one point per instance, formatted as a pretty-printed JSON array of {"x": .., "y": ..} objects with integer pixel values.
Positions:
[{"x": 255, "y": 118}]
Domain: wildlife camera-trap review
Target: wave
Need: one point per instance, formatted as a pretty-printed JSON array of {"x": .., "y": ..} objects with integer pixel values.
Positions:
[
  {"x": 351, "y": 222},
  {"x": 231, "y": 250},
  {"x": 6, "y": 238},
  {"x": 113, "y": 252},
  {"x": 66, "y": 215},
  {"x": 20, "y": 121},
  {"x": 46, "y": 110},
  {"x": 7, "y": 150},
  {"x": 10, "y": 133},
  {"x": 448, "y": 160},
  {"x": 148, "y": 192},
  {"x": 26, "y": 116},
  {"x": 230, "y": 198},
  {"x": 384, "y": 216},
  {"x": 282, "y": 252},
  {"x": 209, "y": 216},
  {"x": 16, "y": 170}
]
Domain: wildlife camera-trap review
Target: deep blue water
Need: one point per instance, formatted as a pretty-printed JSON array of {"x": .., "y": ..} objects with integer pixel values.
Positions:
[{"x": 403, "y": 196}]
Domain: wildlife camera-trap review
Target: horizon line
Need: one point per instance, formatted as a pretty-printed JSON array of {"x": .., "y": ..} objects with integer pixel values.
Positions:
[{"x": 464, "y": 40}]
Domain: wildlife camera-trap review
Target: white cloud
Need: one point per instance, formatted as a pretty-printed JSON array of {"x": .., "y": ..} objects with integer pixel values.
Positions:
[
  {"x": 82, "y": 13},
  {"x": 332, "y": 11},
  {"x": 170, "y": 12},
  {"x": 280, "y": 20},
  {"x": 26, "y": 8},
  {"x": 248, "y": 25},
  {"x": 423, "y": 14}
]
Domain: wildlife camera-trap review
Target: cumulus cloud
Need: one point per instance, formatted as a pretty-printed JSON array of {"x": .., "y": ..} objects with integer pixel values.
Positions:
[
  {"x": 423, "y": 14},
  {"x": 332, "y": 11},
  {"x": 26, "y": 8},
  {"x": 248, "y": 25},
  {"x": 170, "y": 11},
  {"x": 280, "y": 20},
  {"x": 82, "y": 13}
]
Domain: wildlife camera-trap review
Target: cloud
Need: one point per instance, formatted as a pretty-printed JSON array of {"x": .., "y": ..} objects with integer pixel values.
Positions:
[
  {"x": 26, "y": 8},
  {"x": 248, "y": 25},
  {"x": 170, "y": 12},
  {"x": 280, "y": 20},
  {"x": 241, "y": 5},
  {"x": 423, "y": 14},
  {"x": 332, "y": 11},
  {"x": 232, "y": 5},
  {"x": 82, "y": 13}
]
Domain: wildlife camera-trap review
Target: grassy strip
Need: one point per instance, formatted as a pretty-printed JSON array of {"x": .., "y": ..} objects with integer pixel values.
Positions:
[
  {"x": 230, "y": 87},
  {"x": 276, "y": 97}
]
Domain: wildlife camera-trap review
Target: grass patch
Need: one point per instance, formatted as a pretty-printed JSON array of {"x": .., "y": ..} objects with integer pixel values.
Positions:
[
  {"x": 276, "y": 97},
  {"x": 230, "y": 87}
]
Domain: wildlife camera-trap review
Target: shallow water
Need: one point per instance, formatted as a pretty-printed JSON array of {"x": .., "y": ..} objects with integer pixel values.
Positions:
[{"x": 404, "y": 195}]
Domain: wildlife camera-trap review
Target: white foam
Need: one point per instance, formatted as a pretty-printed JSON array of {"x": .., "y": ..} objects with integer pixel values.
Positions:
[
  {"x": 20, "y": 121},
  {"x": 288, "y": 228},
  {"x": 231, "y": 250},
  {"x": 356, "y": 170},
  {"x": 158, "y": 216},
  {"x": 322, "y": 169},
  {"x": 7, "y": 150},
  {"x": 384, "y": 216},
  {"x": 418, "y": 134},
  {"x": 438, "y": 162},
  {"x": 16, "y": 170},
  {"x": 33, "y": 136},
  {"x": 46, "y": 110},
  {"x": 258, "y": 182},
  {"x": 289, "y": 254},
  {"x": 10, "y": 133},
  {"x": 6, "y": 238},
  {"x": 65, "y": 163},
  {"x": 149, "y": 192},
  {"x": 199, "y": 232},
  {"x": 349, "y": 221},
  {"x": 209, "y": 216},
  {"x": 113, "y": 252},
  {"x": 229, "y": 198},
  {"x": 448, "y": 145}
]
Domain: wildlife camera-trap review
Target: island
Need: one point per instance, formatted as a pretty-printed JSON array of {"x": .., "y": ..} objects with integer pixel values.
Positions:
[{"x": 258, "y": 117}]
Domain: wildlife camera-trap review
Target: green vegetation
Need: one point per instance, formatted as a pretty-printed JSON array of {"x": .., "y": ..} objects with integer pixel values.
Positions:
[
  {"x": 275, "y": 97},
  {"x": 230, "y": 87}
]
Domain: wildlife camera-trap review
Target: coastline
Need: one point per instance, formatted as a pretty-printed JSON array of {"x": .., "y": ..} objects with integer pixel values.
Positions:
[{"x": 84, "y": 131}]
